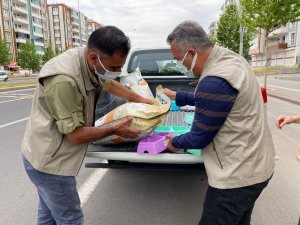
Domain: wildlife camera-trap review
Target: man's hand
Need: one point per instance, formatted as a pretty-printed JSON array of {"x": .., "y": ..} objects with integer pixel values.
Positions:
[
  {"x": 122, "y": 129},
  {"x": 171, "y": 94},
  {"x": 282, "y": 120},
  {"x": 170, "y": 146},
  {"x": 146, "y": 101}
]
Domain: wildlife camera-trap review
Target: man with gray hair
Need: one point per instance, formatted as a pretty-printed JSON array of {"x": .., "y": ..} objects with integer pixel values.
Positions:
[{"x": 230, "y": 126}]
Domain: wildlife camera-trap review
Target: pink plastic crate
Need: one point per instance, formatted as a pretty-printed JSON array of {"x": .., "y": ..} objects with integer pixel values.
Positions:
[{"x": 153, "y": 144}]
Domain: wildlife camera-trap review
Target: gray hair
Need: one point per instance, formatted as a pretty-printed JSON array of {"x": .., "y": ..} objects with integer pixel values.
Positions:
[{"x": 190, "y": 34}]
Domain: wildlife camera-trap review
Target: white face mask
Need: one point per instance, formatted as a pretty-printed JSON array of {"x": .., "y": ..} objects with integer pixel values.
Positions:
[
  {"x": 190, "y": 72},
  {"x": 108, "y": 74}
]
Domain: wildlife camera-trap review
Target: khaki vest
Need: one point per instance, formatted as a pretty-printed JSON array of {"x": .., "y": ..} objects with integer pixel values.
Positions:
[
  {"x": 242, "y": 153},
  {"x": 43, "y": 145}
]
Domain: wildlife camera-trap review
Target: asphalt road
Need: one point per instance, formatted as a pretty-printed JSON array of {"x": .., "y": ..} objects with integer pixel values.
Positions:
[{"x": 127, "y": 197}]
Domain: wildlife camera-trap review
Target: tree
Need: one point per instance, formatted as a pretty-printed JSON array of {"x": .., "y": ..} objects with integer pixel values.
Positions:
[
  {"x": 48, "y": 54},
  {"x": 269, "y": 15},
  {"x": 4, "y": 53},
  {"x": 228, "y": 31},
  {"x": 28, "y": 58},
  {"x": 213, "y": 38}
]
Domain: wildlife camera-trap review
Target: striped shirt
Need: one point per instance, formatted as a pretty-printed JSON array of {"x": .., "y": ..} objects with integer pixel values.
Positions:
[{"x": 213, "y": 101}]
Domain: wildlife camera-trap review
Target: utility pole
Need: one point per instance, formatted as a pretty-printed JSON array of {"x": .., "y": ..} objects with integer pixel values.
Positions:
[
  {"x": 80, "y": 35},
  {"x": 241, "y": 30}
]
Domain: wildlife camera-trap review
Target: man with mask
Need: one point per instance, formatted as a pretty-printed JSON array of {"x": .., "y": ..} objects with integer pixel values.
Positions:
[
  {"x": 230, "y": 126},
  {"x": 62, "y": 117}
]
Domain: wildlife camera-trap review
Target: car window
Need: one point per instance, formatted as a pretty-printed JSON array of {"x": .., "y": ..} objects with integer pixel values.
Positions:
[{"x": 155, "y": 62}]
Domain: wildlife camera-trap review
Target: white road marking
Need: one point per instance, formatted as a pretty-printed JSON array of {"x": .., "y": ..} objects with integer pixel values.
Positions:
[
  {"x": 14, "y": 122},
  {"x": 289, "y": 89},
  {"x": 29, "y": 89},
  {"x": 90, "y": 184},
  {"x": 14, "y": 100}
]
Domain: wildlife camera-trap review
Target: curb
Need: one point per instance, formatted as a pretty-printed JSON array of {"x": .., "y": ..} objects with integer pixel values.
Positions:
[
  {"x": 284, "y": 99},
  {"x": 17, "y": 88}
]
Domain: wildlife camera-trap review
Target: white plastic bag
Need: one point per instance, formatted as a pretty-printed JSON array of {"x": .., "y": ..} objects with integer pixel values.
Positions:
[{"x": 135, "y": 82}]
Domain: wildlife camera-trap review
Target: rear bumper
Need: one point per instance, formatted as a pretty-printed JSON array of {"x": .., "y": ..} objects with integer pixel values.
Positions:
[{"x": 164, "y": 158}]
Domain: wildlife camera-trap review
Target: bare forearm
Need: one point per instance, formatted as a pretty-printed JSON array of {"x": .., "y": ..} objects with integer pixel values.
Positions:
[
  {"x": 295, "y": 119},
  {"x": 83, "y": 135}
]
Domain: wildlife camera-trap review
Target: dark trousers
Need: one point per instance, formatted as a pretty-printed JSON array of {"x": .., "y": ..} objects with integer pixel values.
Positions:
[
  {"x": 59, "y": 203},
  {"x": 230, "y": 206}
]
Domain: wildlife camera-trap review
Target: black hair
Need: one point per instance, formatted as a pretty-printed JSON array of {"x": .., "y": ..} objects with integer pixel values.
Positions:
[{"x": 108, "y": 39}]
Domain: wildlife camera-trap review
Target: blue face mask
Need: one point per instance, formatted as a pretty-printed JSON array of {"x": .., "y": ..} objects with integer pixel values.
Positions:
[
  {"x": 108, "y": 74},
  {"x": 190, "y": 73}
]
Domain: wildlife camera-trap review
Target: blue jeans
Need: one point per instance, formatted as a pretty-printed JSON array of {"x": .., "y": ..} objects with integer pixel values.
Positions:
[
  {"x": 230, "y": 206},
  {"x": 59, "y": 202}
]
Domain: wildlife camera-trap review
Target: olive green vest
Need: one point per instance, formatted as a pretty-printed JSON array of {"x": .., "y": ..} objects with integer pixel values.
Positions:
[
  {"x": 242, "y": 153},
  {"x": 43, "y": 145}
]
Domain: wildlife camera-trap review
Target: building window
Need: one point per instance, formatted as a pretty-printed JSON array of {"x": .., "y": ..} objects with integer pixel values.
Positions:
[
  {"x": 38, "y": 30},
  {"x": 55, "y": 10},
  {"x": 56, "y": 17},
  {"x": 7, "y": 36},
  {"x": 37, "y": 20},
  {"x": 6, "y": 24},
  {"x": 39, "y": 48},
  {"x": 292, "y": 38},
  {"x": 5, "y": 3},
  {"x": 5, "y": 13},
  {"x": 56, "y": 24},
  {"x": 57, "y": 39}
]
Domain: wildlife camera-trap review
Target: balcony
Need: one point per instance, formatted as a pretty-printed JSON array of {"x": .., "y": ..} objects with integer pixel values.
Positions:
[
  {"x": 21, "y": 40},
  {"x": 76, "y": 36},
  {"x": 38, "y": 34},
  {"x": 37, "y": 24},
  {"x": 74, "y": 23},
  {"x": 21, "y": 20},
  {"x": 280, "y": 32},
  {"x": 36, "y": 14},
  {"x": 35, "y": 5},
  {"x": 22, "y": 30},
  {"x": 24, "y": 2},
  {"x": 275, "y": 46},
  {"x": 20, "y": 9},
  {"x": 75, "y": 30},
  {"x": 39, "y": 43}
]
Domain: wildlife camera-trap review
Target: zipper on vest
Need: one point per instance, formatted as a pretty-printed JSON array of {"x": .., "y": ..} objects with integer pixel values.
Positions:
[
  {"x": 58, "y": 147},
  {"x": 217, "y": 156}
]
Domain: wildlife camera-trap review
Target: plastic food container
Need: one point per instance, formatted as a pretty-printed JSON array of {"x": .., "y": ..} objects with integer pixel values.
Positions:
[
  {"x": 197, "y": 152},
  {"x": 175, "y": 130},
  {"x": 153, "y": 144}
]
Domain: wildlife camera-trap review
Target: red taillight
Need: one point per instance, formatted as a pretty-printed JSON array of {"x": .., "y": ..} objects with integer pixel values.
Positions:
[{"x": 264, "y": 94}]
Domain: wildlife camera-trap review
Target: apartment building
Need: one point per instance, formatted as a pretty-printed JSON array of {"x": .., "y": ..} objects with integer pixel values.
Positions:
[
  {"x": 60, "y": 27},
  {"x": 92, "y": 25},
  {"x": 24, "y": 20},
  {"x": 212, "y": 29},
  {"x": 68, "y": 27},
  {"x": 6, "y": 25},
  {"x": 283, "y": 46}
]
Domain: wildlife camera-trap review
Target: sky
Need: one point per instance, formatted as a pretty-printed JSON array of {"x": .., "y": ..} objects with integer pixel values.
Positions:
[{"x": 147, "y": 23}]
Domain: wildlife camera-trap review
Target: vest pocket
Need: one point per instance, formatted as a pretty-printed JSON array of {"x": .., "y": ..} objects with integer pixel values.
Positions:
[
  {"x": 214, "y": 147},
  {"x": 61, "y": 141}
]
